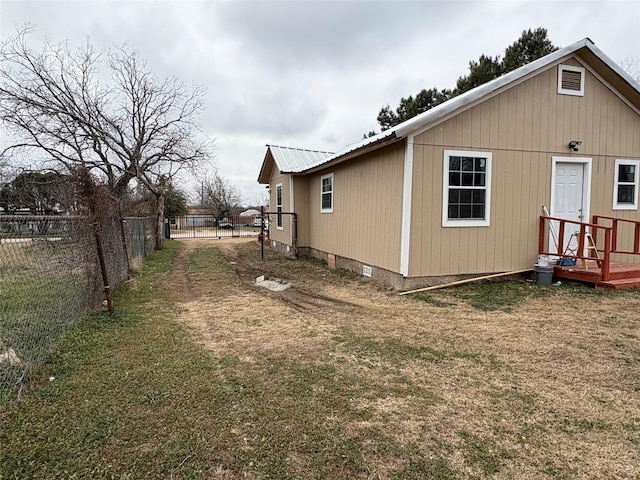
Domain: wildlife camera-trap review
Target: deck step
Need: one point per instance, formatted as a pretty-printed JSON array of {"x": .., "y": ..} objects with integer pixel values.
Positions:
[
  {"x": 620, "y": 284},
  {"x": 572, "y": 273},
  {"x": 623, "y": 274}
]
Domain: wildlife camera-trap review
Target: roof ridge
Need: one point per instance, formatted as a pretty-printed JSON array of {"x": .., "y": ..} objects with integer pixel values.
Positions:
[{"x": 301, "y": 149}]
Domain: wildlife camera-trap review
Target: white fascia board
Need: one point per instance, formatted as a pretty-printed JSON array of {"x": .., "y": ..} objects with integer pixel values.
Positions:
[
  {"x": 291, "y": 204},
  {"x": 407, "y": 187},
  {"x": 348, "y": 149}
]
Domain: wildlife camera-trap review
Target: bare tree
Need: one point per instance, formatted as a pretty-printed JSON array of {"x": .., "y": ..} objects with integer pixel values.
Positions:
[
  {"x": 260, "y": 200},
  {"x": 632, "y": 67},
  {"x": 219, "y": 196},
  {"x": 134, "y": 127}
]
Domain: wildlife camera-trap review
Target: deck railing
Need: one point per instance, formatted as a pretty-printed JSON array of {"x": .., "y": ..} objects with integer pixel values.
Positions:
[
  {"x": 582, "y": 228},
  {"x": 615, "y": 223}
]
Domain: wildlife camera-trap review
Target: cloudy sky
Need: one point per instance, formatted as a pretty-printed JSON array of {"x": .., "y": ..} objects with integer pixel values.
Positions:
[{"x": 315, "y": 74}]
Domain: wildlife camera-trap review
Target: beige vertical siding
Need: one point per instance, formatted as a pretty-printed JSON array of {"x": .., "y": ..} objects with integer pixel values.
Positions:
[
  {"x": 301, "y": 204},
  {"x": 283, "y": 235},
  {"x": 522, "y": 128},
  {"x": 367, "y": 208}
]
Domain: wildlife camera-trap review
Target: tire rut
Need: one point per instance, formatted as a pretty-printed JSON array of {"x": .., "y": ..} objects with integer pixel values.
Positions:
[{"x": 297, "y": 297}]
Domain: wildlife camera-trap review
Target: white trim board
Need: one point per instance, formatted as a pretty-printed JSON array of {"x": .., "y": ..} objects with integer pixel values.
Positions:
[
  {"x": 407, "y": 188},
  {"x": 291, "y": 204}
]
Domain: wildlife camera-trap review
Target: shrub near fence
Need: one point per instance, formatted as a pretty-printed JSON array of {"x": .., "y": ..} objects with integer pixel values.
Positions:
[{"x": 50, "y": 277}]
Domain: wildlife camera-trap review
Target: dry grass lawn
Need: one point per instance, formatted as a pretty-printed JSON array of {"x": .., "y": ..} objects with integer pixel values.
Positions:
[
  {"x": 201, "y": 374},
  {"x": 547, "y": 386}
]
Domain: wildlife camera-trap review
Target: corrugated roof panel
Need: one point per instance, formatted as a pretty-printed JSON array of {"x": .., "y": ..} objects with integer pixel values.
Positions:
[
  {"x": 351, "y": 148},
  {"x": 296, "y": 159}
]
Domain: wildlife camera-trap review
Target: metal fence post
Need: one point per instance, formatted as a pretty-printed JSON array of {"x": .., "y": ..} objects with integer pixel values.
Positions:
[
  {"x": 261, "y": 236},
  {"x": 103, "y": 268}
]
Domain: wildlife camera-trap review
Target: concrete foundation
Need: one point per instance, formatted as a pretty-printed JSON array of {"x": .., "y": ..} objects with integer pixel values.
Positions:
[{"x": 381, "y": 276}]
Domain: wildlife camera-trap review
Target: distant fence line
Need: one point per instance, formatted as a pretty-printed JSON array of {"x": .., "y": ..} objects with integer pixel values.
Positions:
[
  {"x": 50, "y": 277},
  {"x": 208, "y": 226}
]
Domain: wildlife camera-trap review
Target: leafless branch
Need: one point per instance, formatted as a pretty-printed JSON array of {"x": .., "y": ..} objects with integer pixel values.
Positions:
[
  {"x": 219, "y": 196},
  {"x": 135, "y": 126},
  {"x": 632, "y": 67}
]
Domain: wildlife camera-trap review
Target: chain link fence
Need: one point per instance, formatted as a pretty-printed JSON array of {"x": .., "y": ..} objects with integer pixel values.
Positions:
[
  {"x": 141, "y": 239},
  {"x": 53, "y": 270}
]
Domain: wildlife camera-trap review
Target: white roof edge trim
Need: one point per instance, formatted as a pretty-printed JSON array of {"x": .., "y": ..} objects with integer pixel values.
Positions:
[
  {"x": 300, "y": 149},
  {"x": 351, "y": 148}
]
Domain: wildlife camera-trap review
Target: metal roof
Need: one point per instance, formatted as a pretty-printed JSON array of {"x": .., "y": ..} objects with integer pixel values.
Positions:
[{"x": 296, "y": 159}]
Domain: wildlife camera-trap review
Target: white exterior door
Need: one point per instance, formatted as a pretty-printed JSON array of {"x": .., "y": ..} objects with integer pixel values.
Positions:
[
  {"x": 569, "y": 187},
  {"x": 570, "y": 195}
]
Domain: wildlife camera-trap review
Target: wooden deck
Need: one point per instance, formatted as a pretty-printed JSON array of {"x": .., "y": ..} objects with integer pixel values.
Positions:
[
  {"x": 601, "y": 238},
  {"x": 621, "y": 275}
]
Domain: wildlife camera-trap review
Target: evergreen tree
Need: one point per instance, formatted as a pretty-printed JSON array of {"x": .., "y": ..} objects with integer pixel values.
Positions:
[
  {"x": 176, "y": 203},
  {"x": 529, "y": 47}
]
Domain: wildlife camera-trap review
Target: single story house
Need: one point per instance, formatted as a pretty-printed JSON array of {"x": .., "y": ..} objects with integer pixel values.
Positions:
[
  {"x": 252, "y": 212},
  {"x": 195, "y": 217},
  {"x": 458, "y": 190}
]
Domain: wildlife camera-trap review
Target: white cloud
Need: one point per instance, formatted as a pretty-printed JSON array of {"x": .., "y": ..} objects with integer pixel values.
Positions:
[{"x": 315, "y": 74}]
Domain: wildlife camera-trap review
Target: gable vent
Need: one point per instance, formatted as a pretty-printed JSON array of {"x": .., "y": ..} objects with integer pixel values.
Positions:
[{"x": 570, "y": 80}]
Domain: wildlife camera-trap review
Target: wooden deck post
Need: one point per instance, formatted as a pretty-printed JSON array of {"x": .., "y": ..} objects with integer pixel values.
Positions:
[
  {"x": 607, "y": 255},
  {"x": 541, "y": 236},
  {"x": 561, "y": 239}
]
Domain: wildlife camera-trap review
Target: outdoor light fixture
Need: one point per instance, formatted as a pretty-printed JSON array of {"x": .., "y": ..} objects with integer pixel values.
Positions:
[{"x": 574, "y": 144}]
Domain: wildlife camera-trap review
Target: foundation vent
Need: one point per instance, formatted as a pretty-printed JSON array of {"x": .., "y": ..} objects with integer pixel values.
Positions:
[{"x": 366, "y": 270}]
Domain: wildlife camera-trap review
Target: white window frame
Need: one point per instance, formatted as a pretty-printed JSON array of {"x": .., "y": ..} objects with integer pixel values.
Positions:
[
  {"x": 466, "y": 222},
  {"x": 617, "y": 183},
  {"x": 279, "y": 221},
  {"x": 571, "y": 68},
  {"x": 330, "y": 209}
]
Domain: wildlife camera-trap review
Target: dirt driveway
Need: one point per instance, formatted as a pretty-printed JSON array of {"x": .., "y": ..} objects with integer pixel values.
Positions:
[{"x": 549, "y": 388}]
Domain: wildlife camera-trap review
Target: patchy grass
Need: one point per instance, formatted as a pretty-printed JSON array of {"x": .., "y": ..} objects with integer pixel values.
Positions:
[
  {"x": 488, "y": 296},
  {"x": 431, "y": 299},
  {"x": 201, "y": 374},
  {"x": 35, "y": 313},
  {"x": 507, "y": 295}
]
